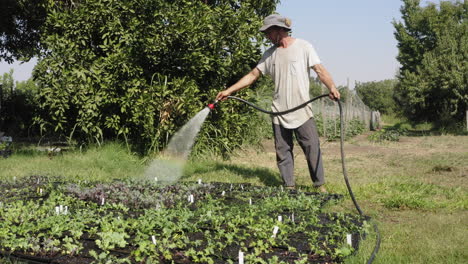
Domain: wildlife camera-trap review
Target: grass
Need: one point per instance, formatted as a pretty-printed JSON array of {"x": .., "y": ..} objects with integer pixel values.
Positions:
[
  {"x": 106, "y": 163},
  {"x": 415, "y": 189}
]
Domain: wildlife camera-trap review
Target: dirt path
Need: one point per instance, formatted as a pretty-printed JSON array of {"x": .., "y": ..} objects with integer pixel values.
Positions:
[{"x": 445, "y": 156}]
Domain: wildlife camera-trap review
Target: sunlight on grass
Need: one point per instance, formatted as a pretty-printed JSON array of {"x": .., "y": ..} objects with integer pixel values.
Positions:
[{"x": 109, "y": 162}]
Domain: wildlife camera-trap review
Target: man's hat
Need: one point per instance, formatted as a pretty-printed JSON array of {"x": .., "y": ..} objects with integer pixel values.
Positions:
[{"x": 276, "y": 20}]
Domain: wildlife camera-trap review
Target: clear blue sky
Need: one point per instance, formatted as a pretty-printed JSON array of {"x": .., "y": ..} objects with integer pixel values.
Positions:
[{"x": 354, "y": 38}]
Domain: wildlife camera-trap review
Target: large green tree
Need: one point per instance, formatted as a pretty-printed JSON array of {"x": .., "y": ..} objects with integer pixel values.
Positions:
[
  {"x": 140, "y": 69},
  {"x": 433, "y": 53},
  {"x": 378, "y": 95}
]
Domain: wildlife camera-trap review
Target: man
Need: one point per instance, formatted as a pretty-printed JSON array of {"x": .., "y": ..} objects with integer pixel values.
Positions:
[{"x": 288, "y": 62}]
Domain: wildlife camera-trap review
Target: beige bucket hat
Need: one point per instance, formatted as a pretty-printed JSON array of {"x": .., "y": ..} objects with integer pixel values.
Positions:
[{"x": 276, "y": 20}]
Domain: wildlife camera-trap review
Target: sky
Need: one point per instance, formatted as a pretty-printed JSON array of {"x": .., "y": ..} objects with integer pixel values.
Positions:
[{"x": 353, "y": 38}]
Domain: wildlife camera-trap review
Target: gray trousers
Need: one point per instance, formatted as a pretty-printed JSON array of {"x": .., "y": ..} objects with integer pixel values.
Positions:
[{"x": 308, "y": 139}]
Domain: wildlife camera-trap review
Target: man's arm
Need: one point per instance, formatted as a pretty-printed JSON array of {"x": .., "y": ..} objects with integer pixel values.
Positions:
[
  {"x": 326, "y": 79},
  {"x": 245, "y": 81}
]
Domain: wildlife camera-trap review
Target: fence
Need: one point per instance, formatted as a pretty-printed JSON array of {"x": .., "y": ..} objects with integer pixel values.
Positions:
[{"x": 353, "y": 109}]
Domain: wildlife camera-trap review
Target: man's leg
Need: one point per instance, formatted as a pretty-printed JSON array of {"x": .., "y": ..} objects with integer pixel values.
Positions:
[
  {"x": 284, "y": 154},
  {"x": 308, "y": 139}
]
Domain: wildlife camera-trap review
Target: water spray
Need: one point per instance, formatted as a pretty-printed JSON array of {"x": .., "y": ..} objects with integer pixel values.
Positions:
[{"x": 345, "y": 173}]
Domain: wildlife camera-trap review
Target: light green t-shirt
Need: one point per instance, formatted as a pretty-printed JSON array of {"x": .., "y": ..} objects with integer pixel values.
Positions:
[{"x": 290, "y": 70}]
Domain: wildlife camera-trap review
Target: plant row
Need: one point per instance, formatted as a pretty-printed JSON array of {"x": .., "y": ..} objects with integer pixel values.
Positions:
[{"x": 147, "y": 222}]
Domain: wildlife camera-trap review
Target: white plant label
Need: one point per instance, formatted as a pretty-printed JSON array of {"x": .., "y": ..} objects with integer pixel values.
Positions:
[
  {"x": 241, "y": 257},
  {"x": 153, "y": 238},
  {"x": 280, "y": 218},
  {"x": 275, "y": 231},
  {"x": 349, "y": 239}
]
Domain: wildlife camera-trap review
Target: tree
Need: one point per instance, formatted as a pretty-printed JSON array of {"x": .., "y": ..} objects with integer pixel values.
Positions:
[
  {"x": 433, "y": 52},
  {"x": 20, "y": 24},
  {"x": 17, "y": 105},
  {"x": 378, "y": 95},
  {"x": 140, "y": 69}
]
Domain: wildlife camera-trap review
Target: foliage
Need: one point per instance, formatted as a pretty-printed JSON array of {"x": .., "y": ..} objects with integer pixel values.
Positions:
[
  {"x": 378, "y": 95},
  {"x": 433, "y": 54},
  {"x": 331, "y": 128},
  {"x": 17, "y": 105},
  {"x": 317, "y": 89},
  {"x": 385, "y": 135},
  {"x": 139, "y": 70},
  {"x": 20, "y": 28},
  {"x": 221, "y": 220}
]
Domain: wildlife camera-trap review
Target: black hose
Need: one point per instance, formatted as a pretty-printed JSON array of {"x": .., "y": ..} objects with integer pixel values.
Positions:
[
  {"x": 345, "y": 173},
  {"x": 278, "y": 113}
]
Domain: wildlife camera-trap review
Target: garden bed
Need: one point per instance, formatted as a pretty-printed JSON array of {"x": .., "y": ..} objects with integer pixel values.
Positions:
[{"x": 50, "y": 220}]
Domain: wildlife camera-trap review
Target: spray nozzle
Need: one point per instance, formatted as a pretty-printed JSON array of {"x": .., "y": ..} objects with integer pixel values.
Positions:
[{"x": 213, "y": 105}]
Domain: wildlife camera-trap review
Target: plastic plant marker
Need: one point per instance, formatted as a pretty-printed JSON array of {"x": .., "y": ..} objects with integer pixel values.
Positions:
[
  {"x": 241, "y": 257},
  {"x": 223, "y": 193},
  {"x": 66, "y": 210},
  {"x": 156, "y": 179},
  {"x": 57, "y": 210},
  {"x": 280, "y": 218},
  {"x": 199, "y": 181},
  {"x": 242, "y": 187},
  {"x": 275, "y": 231},
  {"x": 103, "y": 200},
  {"x": 191, "y": 199},
  {"x": 282, "y": 189},
  {"x": 61, "y": 208},
  {"x": 250, "y": 201},
  {"x": 349, "y": 241},
  {"x": 292, "y": 217},
  {"x": 40, "y": 191},
  {"x": 153, "y": 238}
]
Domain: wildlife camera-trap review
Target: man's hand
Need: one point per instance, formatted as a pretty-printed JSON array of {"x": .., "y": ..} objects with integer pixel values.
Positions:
[
  {"x": 223, "y": 95},
  {"x": 334, "y": 94}
]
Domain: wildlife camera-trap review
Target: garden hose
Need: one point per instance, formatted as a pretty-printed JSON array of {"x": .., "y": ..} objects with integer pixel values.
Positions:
[{"x": 345, "y": 173}]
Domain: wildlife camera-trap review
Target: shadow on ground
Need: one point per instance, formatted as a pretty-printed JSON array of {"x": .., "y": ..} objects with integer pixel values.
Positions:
[{"x": 264, "y": 175}]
